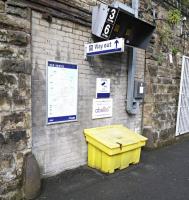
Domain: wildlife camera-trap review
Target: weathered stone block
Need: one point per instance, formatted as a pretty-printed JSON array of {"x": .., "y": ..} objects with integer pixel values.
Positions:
[
  {"x": 10, "y": 79},
  {"x": 9, "y": 22},
  {"x": 32, "y": 179},
  {"x": 4, "y": 99},
  {"x": 153, "y": 70},
  {"x": 22, "y": 82},
  {"x": 16, "y": 136},
  {"x": 13, "y": 121},
  {"x": 157, "y": 123},
  {"x": 147, "y": 121},
  {"x": 2, "y": 139},
  {"x": 6, "y": 51},
  {"x": 2, "y": 79},
  {"x": 162, "y": 97},
  {"x": 152, "y": 137},
  {"x": 18, "y": 11},
  {"x": 2, "y": 6},
  {"x": 167, "y": 133},
  {"x": 7, "y": 163},
  {"x": 17, "y": 66},
  {"x": 10, "y": 186},
  {"x": 7, "y": 79},
  {"x": 161, "y": 88},
  {"x": 18, "y": 38},
  {"x": 17, "y": 99},
  {"x": 154, "y": 88},
  {"x": 13, "y": 195},
  {"x": 161, "y": 107},
  {"x": 161, "y": 116},
  {"x": 172, "y": 89},
  {"x": 3, "y": 35}
]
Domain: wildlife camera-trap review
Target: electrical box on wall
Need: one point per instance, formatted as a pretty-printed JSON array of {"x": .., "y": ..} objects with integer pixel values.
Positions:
[
  {"x": 109, "y": 22},
  {"x": 139, "y": 89}
]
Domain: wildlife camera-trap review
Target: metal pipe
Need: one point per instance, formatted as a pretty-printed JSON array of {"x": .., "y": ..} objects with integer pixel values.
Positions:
[{"x": 132, "y": 105}]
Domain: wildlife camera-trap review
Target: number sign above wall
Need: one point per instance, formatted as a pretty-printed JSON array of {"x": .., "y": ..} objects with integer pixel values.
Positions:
[{"x": 109, "y": 23}]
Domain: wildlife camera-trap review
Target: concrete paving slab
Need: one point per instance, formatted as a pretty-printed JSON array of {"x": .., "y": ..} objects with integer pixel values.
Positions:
[{"x": 162, "y": 174}]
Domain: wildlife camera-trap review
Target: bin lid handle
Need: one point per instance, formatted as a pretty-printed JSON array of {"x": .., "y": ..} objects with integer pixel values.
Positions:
[{"x": 120, "y": 145}]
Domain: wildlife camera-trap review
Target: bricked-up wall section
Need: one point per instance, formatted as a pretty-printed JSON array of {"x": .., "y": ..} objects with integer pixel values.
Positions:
[
  {"x": 62, "y": 146},
  {"x": 162, "y": 78},
  {"x": 15, "y": 96}
]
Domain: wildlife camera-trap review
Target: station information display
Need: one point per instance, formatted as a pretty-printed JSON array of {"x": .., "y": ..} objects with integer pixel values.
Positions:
[{"x": 62, "y": 92}]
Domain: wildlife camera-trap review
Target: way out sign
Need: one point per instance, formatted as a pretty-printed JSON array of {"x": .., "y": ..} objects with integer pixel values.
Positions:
[{"x": 105, "y": 47}]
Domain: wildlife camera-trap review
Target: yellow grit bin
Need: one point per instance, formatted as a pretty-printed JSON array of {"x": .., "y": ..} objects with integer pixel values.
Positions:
[{"x": 113, "y": 147}]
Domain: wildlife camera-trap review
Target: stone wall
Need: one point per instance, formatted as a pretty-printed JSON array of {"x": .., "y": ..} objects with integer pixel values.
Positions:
[
  {"x": 62, "y": 146},
  {"x": 162, "y": 77},
  {"x": 15, "y": 96}
]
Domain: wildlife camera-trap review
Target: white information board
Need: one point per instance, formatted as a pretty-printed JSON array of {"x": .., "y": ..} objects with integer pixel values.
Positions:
[
  {"x": 102, "y": 108},
  {"x": 62, "y": 92}
]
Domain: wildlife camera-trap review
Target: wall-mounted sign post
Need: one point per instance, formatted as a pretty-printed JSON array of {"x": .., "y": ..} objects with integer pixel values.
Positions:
[
  {"x": 105, "y": 47},
  {"x": 62, "y": 92}
]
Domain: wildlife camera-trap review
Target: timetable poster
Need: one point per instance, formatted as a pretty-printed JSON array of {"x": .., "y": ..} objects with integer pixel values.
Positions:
[{"x": 62, "y": 92}]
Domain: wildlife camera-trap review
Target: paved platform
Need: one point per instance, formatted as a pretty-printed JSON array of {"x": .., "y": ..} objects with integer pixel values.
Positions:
[{"x": 162, "y": 174}]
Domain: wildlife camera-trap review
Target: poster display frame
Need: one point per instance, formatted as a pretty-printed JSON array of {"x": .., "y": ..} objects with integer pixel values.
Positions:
[{"x": 62, "y": 118}]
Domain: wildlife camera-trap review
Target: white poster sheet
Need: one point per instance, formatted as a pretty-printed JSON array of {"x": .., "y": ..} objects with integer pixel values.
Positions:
[
  {"x": 102, "y": 108},
  {"x": 62, "y": 92}
]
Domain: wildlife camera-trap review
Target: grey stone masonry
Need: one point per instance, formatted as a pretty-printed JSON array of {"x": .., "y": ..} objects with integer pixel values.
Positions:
[
  {"x": 15, "y": 96},
  {"x": 162, "y": 77}
]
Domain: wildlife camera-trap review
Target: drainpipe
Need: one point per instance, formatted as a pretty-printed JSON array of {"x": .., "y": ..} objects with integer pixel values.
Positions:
[{"x": 132, "y": 105}]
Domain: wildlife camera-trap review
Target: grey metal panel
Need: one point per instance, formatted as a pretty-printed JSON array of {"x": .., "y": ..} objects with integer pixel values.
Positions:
[
  {"x": 132, "y": 105},
  {"x": 123, "y": 7},
  {"x": 99, "y": 15}
]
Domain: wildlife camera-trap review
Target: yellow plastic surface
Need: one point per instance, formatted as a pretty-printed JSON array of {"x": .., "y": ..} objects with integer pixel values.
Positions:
[{"x": 113, "y": 147}]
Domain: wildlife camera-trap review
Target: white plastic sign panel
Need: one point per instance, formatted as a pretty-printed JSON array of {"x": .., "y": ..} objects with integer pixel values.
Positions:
[
  {"x": 141, "y": 89},
  {"x": 102, "y": 88},
  {"x": 62, "y": 92},
  {"x": 105, "y": 47},
  {"x": 102, "y": 108}
]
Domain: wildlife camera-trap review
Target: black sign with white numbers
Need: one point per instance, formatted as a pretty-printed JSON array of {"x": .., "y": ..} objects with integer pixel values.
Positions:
[{"x": 109, "y": 24}]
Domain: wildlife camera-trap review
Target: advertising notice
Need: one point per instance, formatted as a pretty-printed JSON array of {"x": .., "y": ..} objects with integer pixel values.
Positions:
[
  {"x": 102, "y": 108},
  {"x": 62, "y": 92}
]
